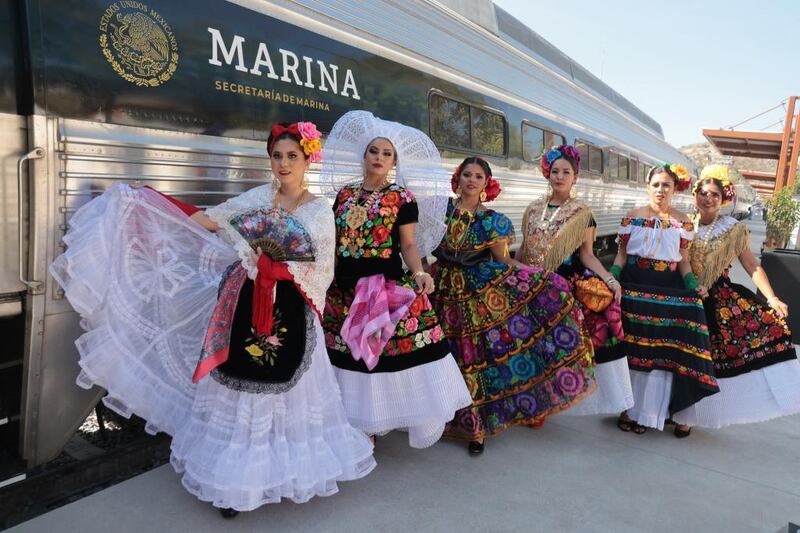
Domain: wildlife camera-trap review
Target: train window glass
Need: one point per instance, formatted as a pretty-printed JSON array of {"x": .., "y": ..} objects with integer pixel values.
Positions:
[
  {"x": 634, "y": 170},
  {"x": 553, "y": 139},
  {"x": 613, "y": 167},
  {"x": 449, "y": 122},
  {"x": 643, "y": 170},
  {"x": 488, "y": 132},
  {"x": 532, "y": 142},
  {"x": 595, "y": 160},
  {"x": 583, "y": 149},
  {"x": 623, "y": 167}
]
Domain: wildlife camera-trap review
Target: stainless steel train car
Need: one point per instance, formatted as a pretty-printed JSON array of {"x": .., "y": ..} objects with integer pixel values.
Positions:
[{"x": 181, "y": 95}]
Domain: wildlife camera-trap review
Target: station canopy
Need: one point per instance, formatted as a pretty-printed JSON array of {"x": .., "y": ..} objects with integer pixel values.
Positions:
[{"x": 758, "y": 144}]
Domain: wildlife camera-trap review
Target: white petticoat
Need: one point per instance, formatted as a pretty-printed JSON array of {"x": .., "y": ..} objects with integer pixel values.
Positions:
[
  {"x": 421, "y": 399},
  {"x": 651, "y": 393},
  {"x": 144, "y": 279},
  {"x": 756, "y": 396},
  {"x": 613, "y": 395}
]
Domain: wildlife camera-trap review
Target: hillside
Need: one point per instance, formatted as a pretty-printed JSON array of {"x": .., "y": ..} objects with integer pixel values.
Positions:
[{"x": 704, "y": 154}]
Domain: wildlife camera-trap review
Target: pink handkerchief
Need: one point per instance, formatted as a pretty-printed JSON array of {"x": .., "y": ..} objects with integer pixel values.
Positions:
[{"x": 378, "y": 305}]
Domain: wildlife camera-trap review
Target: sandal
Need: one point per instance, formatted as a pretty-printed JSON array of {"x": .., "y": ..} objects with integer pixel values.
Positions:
[
  {"x": 624, "y": 423},
  {"x": 475, "y": 447},
  {"x": 227, "y": 512},
  {"x": 639, "y": 429},
  {"x": 682, "y": 433}
]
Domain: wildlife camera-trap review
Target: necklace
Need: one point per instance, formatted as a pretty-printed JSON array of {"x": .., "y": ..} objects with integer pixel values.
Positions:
[
  {"x": 709, "y": 232},
  {"x": 277, "y": 205},
  {"x": 357, "y": 212},
  {"x": 544, "y": 221},
  {"x": 451, "y": 227}
]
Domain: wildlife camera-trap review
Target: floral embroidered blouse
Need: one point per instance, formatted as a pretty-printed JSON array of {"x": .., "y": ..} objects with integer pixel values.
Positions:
[
  {"x": 654, "y": 238},
  {"x": 374, "y": 246}
]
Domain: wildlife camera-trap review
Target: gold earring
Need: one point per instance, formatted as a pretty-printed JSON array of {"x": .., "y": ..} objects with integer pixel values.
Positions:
[
  {"x": 304, "y": 183},
  {"x": 275, "y": 184},
  {"x": 483, "y": 196},
  {"x": 572, "y": 193}
]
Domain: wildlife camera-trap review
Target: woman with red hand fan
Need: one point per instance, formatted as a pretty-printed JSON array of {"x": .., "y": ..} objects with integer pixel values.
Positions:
[{"x": 259, "y": 417}]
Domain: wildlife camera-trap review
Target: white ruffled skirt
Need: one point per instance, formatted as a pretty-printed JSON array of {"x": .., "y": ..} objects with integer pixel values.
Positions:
[
  {"x": 652, "y": 392},
  {"x": 613, "y": 395},
  {"x": 756, "y": 396},
  {"x": 144, "y": 279},
  {"x": 421, "y": 399}
]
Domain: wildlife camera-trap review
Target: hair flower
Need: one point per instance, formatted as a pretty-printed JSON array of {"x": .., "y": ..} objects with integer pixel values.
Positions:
[
  {"x": 310, "y": 142},
  {"x": 718, "y": 173},
  {"x": 567, "y": 151}
]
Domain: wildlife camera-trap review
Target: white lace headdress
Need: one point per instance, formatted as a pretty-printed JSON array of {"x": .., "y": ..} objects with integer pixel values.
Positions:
[{"x": 419, "y": 167}]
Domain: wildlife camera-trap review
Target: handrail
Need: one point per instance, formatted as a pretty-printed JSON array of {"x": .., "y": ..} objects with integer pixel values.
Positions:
[{"x": 37, "y": 153}]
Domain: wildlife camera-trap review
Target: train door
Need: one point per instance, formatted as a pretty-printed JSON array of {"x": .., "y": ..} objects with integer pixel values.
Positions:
[{"x": 51, "y": 406}]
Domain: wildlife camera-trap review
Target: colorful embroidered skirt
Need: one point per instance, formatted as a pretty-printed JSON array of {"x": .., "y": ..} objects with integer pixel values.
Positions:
[
  {"x": 754, "y": 360},
  {"x": 666, "y": 335},
  {"x": 745, "y": 333},
  {"x": 516, "y": 337}
]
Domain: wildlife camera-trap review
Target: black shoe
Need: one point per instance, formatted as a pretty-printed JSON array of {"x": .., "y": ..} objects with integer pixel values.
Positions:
[
  {"x": 682, "y": 433},
  {"x": 475, "y": 447},
  {"x": 228, "y": 512}
]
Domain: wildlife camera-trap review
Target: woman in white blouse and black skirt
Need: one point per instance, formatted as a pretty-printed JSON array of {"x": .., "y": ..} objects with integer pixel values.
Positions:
[{"x": 666, "y": 336}]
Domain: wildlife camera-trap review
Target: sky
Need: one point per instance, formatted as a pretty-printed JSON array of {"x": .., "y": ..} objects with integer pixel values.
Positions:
[{"x": 688, "y": 64}]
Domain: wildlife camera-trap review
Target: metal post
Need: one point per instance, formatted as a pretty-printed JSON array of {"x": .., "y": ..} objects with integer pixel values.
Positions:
[
  {"x": 780, "y": 174},
  {"x": 795, "y": 153}
]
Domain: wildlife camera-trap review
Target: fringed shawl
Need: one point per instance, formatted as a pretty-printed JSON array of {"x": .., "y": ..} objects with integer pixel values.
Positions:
[
  {"x": 710, "y": 260},
  {"x": 550, "y": 246}
]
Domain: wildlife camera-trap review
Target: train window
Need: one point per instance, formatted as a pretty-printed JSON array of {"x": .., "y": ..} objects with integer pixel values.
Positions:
[
  {"x": 488, "y": 132},
  {"x": 449, "y": 122},
  {"x": 461, "y": 126},
  {"x": 623, "y": 167},
  {"x": 532, "y": 142},
  {"x": 583, "y": 149},
  {"x": 553, "y": 139},
  {"x": 595, "y": 160},
  {"x": 634, "y": 170},
  {"x": 613, "y": 168},
  {"x": 643, "y": 170},
  {"x": 536, "y": 140}
]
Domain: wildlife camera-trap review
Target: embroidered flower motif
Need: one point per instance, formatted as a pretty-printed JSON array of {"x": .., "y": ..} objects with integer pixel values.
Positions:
[
  {"x": 569, "y": 381},
  {"x": 411, "y": 325},
  {"x": 390, "y": 199},
  {"x": 405, "y": 345},
  {"x": 380, "y": 234},
  {"x": 254, "y": 350}
]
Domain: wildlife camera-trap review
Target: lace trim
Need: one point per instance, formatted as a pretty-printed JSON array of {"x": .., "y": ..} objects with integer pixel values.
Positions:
[{"x": 260, "y": 387}]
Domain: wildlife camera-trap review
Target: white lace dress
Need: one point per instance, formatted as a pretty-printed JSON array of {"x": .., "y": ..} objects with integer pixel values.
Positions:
[{"x": 144, "y": 279}]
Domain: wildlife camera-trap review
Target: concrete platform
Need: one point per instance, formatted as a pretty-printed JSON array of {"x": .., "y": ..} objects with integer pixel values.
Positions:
[{"x": 574, "y": 474}]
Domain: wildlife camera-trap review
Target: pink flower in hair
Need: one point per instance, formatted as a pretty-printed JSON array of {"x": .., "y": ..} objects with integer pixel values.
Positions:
[{"x": 308, "y": 131}]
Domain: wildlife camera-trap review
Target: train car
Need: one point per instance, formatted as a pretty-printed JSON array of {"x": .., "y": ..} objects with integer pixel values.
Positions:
[{"x": 181, "y": 95}]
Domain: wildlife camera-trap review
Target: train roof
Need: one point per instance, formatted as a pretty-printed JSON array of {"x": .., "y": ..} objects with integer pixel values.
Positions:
[
  {"x": 513, "y": 31},
  {"x": 500, "y": 22}
]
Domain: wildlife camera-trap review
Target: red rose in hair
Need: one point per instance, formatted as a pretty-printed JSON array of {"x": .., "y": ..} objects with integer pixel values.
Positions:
[{"x": 492, "y": 189}]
